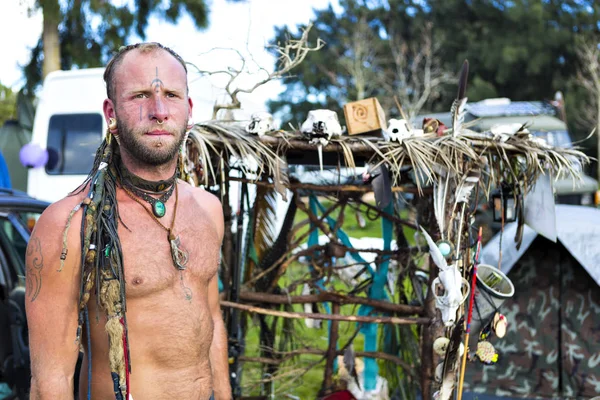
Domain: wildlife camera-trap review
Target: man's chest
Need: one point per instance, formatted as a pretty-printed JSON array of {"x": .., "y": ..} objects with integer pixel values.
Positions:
[{"x": 153, "y": 261}]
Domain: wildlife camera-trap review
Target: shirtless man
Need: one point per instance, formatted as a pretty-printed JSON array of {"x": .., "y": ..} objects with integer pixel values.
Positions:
[{"x": 176, "y": 335}]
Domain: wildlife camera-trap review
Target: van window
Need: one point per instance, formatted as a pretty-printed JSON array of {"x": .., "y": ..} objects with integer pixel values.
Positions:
[{"x": 72, "y": 143}]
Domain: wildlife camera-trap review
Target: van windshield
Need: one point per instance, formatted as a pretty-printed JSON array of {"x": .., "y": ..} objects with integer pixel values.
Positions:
[{"x": 72, "y": 143}]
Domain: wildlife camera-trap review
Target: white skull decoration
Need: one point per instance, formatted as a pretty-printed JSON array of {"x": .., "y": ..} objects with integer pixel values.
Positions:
[
  {"x": 452, "y": 282},
  {"x": 399, "y": 130},
  {"x": 453, "y": 296},
  {"x": 320, "y": 126},
  {"x": 261, "y": 123}
]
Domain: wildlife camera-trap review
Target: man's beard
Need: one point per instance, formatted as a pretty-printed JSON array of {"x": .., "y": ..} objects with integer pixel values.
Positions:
[{"x": 146, "y": 154}]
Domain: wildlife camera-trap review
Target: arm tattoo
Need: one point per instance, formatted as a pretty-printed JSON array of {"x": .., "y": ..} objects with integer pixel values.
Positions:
[{"x": 35, "y": 263}]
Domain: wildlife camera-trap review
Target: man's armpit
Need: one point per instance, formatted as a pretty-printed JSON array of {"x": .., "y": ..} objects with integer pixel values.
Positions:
[{"x": 35, "y": 263}]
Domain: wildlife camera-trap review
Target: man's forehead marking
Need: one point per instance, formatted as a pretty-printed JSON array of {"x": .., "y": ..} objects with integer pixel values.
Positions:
[{"x": 157, "y": 83}]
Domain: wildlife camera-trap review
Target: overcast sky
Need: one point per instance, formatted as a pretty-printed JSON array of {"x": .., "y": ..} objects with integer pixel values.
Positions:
[{"x": 246, "y": 27}]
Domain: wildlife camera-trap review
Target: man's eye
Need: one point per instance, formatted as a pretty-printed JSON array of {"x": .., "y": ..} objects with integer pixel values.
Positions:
[
  {"x": 171, "y": 95},
  {"x": 140, "y": 96}
]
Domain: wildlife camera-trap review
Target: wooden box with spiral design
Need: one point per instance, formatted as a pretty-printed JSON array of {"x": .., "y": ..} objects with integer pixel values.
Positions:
[{"x": 365, "y": 116}]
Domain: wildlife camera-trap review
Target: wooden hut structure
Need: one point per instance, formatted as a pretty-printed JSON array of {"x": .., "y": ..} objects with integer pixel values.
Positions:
[{"x": 398, "y": 325}]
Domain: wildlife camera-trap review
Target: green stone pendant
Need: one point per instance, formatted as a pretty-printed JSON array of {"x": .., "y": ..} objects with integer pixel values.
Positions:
[{"x": 159, "y": 209}]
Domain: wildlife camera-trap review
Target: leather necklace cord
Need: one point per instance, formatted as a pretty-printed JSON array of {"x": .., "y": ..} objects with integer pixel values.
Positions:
[
  {"x": 170, "y": 229},
  {"x": 158, "y": 204},
  {"x": 154, "y": 187}
]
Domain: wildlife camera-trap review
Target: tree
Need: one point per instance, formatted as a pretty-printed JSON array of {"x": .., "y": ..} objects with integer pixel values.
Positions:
[
  {"x": 521, "y": 49},
  {"x": 8, "y": 104},
  {"x": 84, "y": 33},
  {"x": 588, "y": 76},
  {"x": 367, "y": 46}
]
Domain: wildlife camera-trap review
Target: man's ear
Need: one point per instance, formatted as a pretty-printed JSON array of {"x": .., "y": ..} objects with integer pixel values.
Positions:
[
  {"x": 191, "y": 104},
  {"x": 108, "y": 107}
]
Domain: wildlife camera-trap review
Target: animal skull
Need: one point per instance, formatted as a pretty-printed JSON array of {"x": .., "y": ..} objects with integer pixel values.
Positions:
[
  {"x": 453, "y": 296},
  {"x": 261, "y": 123},
  {"x": 398, "y": 130},
  {"x": 320, "y": 126}
]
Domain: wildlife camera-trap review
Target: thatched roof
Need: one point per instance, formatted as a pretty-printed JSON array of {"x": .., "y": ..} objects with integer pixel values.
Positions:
[{"x": 521, "y": 158}]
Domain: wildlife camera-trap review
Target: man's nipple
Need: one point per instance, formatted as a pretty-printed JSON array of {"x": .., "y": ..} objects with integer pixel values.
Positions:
[{"x": 137, "y": 281}]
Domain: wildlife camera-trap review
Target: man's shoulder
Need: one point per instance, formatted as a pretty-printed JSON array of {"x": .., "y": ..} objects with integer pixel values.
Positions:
[
  {"x": 57, "y": 213},
  {"x": 209, "y": 203},
  {"x": 204, "y": 197}
]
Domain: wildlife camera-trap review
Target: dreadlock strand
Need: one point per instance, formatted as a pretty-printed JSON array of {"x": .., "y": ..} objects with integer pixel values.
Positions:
[
  {"x": 63, "y": 253},
  {"x": 102, "y": 264}
]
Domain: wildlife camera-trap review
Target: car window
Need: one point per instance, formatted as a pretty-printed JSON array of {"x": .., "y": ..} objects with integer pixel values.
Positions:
[
  {"x": 555, "y": 138},
  {"x": 15, "y": 229},
  {"x": 72, "y": 143}
]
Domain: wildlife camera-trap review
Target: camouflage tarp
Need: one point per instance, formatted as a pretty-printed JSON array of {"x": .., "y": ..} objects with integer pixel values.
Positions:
[{"x": 537, "y": 359}]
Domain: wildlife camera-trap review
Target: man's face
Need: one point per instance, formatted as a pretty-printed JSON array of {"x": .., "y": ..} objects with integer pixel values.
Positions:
[{"x": 152, "y": 107}]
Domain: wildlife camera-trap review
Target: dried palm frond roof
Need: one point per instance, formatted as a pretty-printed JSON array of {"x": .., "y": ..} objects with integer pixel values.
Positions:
[{"x": 519, "y": 157}]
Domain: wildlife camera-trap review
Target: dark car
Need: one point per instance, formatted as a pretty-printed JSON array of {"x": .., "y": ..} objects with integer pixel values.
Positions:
[{"x": 18, "y": 213}]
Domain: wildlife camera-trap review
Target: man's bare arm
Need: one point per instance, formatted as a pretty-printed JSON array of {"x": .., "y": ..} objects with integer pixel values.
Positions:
[
  {"x": 51, "y": 305},
  {"x": 218, "y": 348}
]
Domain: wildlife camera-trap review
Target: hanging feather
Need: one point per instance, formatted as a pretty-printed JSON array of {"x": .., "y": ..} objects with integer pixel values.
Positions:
[
  {"x": 451, "y": 362},
  {"x": 458, "y": 108},
  {"x": 278, "y": 249},
  {"x": 466, "y": 185},
  {"x": 468, "y": 182},
  {"x": 350, "y": 364},
  {"x": 441, "y": 186},
  {"x": 281, "y": 180},
  {"x": 262, "y": 228},
  {"x": 520, "y": 218}
]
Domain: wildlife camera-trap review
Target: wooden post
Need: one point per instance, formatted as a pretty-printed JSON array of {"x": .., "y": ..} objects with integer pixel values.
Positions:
[
  {"x": 228, "y": 253},
  {"x": 430, "y": 331},
  {"x": 427, "y": 368},
  {"x": 331, "y": 352}
]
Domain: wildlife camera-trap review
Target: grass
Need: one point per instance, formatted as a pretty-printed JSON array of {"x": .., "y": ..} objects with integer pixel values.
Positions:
[{"x": 302, "y": 376}]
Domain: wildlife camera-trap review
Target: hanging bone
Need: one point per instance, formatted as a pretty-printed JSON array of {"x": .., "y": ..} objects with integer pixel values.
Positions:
[
  {"x": 320, "y": 126},
  {"x": 261, "y": 124},
  {"x": 450, "y": 279}
]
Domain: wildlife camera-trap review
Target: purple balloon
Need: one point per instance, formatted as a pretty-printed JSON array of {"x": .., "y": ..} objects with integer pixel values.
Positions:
[{"x": 33, "y": 156}]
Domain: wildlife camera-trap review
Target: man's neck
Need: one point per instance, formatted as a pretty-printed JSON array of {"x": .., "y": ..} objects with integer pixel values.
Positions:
[{"x": 149, "y": 172}]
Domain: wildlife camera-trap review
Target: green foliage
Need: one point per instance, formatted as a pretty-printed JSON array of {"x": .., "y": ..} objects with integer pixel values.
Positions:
[
  {"x": 90, "y": 31},
  {"x": 8, "y": 104},
  {"x": 302, "y": 375},
  {"x": 522, "y": 49}
]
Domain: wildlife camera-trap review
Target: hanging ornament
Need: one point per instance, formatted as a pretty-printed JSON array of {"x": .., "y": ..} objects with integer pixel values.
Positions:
[
  {"x": 446, "y": 248},
  {"x": 440, "y": 345},
  {"x": 499, "y": 324},
  {"x": 486, "y": 353}
]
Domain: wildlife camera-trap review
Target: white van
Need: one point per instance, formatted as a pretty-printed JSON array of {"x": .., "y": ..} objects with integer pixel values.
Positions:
[{"x": 70, "y": 125}]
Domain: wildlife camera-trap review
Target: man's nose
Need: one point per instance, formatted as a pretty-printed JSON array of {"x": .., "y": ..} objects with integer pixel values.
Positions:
[{"x": 158, "y": 108}]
